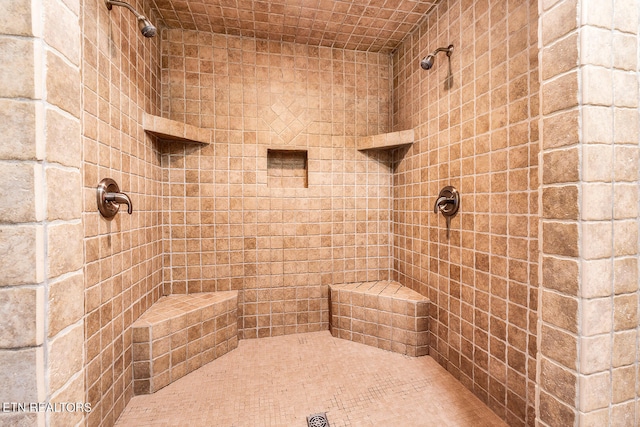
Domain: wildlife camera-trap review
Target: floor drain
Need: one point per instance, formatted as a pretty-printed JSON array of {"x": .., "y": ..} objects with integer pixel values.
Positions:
[{"x": 317, "y": 420}]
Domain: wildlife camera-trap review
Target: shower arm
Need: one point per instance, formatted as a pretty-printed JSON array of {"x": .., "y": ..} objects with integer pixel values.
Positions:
[
  {"x": 448, "y": 49},
  {"x": 146, "y": 27},
  {"x": 442, "y": 201},
  {"x": 111, "y": 3},
  {"x": 427, "y": 61}
]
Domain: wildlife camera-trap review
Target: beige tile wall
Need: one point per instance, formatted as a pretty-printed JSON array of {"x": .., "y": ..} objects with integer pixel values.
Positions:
[
  {"x": 558, "y": 387},
  {"x": 225, "y": 228},
  {"x": 256, "y": 95},
  {"x": 41, "y": 293},
  {"x": 123, "y": 257},
  {"x": 476, "y": 129},
  {"x": 589, "y": 307}
]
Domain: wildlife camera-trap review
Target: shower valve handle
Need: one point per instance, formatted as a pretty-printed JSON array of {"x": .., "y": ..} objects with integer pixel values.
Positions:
[
  {"x": 448, "y": 201},
  {"x": 109, "y": 198},
  {"x": 121, "y": 199},
  {"x": 447, "y": 204},
  {"x": 442, "y": 202}
]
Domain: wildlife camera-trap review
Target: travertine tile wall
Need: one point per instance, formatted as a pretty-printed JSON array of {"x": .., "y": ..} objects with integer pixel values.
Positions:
[
  {"x": 41, "y": 291},
  {"x": 475, "y": 130},
  {"x": 123, "y": 257},
  {"x": 481, "y": 134},
  {"x": 224, "y": 227},
  {"x": 588, "y": 363}
]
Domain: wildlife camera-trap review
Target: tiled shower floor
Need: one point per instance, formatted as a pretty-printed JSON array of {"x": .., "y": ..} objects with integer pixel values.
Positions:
[{"x": 280, "y": 381}]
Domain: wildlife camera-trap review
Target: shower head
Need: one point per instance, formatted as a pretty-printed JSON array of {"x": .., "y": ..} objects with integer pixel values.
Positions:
[
  {"x": 427, "y": 61},
  {"x": 146, "y": 27}
]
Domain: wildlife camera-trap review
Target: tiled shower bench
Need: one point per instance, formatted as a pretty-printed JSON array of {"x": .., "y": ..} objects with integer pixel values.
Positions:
[
  {"x": 382, "y": 314},
  {"x": 179, "y": 334}
]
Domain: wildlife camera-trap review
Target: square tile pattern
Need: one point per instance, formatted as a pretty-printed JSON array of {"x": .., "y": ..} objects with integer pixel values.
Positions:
[
  {"x": 279, "y": 381},
  {"x": 378, "y": 25},
  {"x": 476, "y": 128}
]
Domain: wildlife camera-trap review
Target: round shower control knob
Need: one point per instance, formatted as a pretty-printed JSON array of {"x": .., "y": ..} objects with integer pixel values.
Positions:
[
  {"x": 448, "y": 201},
  {"x": 109, "y": 198}
]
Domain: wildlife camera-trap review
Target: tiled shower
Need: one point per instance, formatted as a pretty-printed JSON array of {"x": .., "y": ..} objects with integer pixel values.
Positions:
[{"x": 534, "y": 295}]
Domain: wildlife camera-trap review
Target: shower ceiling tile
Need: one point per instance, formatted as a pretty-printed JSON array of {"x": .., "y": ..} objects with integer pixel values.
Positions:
[{"x": 368, "y": 25}]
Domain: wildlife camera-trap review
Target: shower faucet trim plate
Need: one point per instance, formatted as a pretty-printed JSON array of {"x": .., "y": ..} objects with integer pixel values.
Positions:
[
  {"x": 447, "y": 203},
  {"x": 109, "y": 198}
]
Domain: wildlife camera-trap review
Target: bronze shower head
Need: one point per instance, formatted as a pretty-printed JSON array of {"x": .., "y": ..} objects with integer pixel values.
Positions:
[
  {"x": 427, "y": 61},
  {"x": 146, "y": 27}
]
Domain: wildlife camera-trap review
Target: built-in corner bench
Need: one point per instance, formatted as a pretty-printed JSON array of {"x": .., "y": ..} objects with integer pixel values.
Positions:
[
  {"x": 179, "y": 334},
  {"x": 382, "y": 314}
]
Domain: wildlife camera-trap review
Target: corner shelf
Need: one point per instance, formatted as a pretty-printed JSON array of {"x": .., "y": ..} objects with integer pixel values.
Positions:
[
  {"x": 386, "y": 140},
  {"x": 171, "y": 130}
]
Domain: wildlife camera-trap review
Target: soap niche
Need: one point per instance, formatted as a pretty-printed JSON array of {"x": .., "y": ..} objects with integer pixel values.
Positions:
[{"x": 287, "y": 169}]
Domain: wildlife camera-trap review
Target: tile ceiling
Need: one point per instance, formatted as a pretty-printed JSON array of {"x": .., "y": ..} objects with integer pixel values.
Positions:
[{"x": 370, "y": 25}]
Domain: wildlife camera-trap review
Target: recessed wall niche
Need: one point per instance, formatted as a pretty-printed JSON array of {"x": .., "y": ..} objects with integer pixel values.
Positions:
[{"x": 287, "y": 169}]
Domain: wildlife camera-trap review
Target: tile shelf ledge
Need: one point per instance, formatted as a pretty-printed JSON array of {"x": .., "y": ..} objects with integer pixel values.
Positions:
[
  {"x": 171, "y": 130},
  {"x": 385, "y": 141}
]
